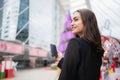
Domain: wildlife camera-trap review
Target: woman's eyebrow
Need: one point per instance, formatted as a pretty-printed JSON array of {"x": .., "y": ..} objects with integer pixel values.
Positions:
[{"x": 75, "y": 17}]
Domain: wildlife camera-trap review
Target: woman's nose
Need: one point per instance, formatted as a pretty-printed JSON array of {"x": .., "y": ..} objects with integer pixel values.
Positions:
[{"x": 72, "y": 24}]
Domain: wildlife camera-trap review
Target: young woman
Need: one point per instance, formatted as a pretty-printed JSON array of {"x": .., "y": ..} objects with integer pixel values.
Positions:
[{"x": 83, "y": 56}]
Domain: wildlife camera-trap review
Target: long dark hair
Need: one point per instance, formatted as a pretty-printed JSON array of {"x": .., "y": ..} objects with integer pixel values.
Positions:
[{"x": 91, "y": 32}]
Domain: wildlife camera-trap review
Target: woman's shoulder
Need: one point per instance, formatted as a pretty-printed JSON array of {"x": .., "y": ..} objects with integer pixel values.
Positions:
[{"x": 80, "y": 40}]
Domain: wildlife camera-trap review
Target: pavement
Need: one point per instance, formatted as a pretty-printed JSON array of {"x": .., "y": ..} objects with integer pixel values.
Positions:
[{"x": 45, "y": 73}]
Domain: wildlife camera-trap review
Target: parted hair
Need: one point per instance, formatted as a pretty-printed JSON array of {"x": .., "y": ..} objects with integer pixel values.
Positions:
[{"x": 91, "y": 31}]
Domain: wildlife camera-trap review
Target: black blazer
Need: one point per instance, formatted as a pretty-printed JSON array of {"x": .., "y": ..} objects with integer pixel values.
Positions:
[{"x": 81, "y": 61}]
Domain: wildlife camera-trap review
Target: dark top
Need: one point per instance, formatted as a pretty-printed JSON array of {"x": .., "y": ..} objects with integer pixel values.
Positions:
[{"x": 81, "y": 61}]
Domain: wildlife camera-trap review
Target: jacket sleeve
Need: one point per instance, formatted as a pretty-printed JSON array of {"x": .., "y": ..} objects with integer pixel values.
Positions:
[
  {"x": 71, "y": 61},
  {"x": 60, "y": 63}
]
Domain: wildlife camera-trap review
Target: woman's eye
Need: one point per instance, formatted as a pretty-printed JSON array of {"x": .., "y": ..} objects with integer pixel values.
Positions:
[{"x": 75, "y": 19}]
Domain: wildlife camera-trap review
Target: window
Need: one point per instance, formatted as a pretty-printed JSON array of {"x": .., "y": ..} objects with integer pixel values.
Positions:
[{"x": 6, "y": 31}]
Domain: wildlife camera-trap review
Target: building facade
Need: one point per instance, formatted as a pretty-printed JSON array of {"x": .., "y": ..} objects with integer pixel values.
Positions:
[
  {"x": 33, "y": 23},
  {"x": 10, "y": 19},
  {"x": 1, "y": 15},
  {"x": 23, "y": 22},
  {"x": 46, "y": 23}
]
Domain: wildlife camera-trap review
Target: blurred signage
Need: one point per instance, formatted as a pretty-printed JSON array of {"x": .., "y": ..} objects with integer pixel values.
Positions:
[
  {"x": 38, "y": 52},
  {"x": 11, "y": 48}
]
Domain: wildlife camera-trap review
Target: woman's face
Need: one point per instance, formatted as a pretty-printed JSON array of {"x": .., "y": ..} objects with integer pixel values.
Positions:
[{"x": 77, "y": 24}]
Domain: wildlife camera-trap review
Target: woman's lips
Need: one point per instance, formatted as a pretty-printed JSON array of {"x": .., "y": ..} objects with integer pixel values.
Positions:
[{"x": 73, "y": 28}]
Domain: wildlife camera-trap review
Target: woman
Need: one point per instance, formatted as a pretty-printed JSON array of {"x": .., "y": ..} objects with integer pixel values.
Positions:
[{"x": 83, "y": 56}]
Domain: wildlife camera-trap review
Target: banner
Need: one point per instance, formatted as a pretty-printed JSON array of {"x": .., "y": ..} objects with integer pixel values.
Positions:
[
  {"x": 38, "y": 52},
  {"x": 11, "y": 48}
]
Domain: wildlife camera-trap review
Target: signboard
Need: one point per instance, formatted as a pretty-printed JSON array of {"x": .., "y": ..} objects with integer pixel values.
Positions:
[
  {"x": 38, "y": 52},
  {"x": 11, "y": 48}
]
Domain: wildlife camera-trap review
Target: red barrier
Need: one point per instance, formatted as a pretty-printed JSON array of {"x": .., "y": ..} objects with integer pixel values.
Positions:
[{"x": 9, "y": 73}]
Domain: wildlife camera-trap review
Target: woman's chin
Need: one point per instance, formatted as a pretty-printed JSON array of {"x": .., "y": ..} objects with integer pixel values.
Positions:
[{"x": 74, "y": 33}]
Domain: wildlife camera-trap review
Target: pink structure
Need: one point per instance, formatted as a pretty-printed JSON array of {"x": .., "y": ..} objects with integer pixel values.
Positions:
[
  {"x": 38, "y": 52},
  {"x": 66, "y": 35},
  {"x": 11, "y": 48}
]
